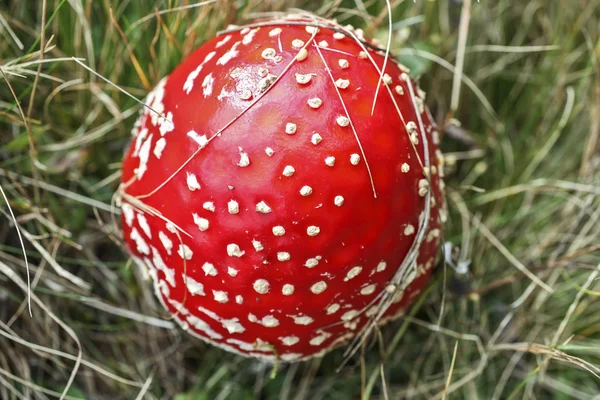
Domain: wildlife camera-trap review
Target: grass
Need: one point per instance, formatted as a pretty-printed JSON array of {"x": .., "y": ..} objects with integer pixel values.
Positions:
[{"x": 522, "y": 187}]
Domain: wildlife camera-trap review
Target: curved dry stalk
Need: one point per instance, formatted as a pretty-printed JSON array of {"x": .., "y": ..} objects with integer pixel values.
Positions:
[{"x": 22, "y": 248}]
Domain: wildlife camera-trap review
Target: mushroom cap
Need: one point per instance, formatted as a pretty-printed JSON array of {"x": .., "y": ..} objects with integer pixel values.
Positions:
[{"x": 271, "y": 208}]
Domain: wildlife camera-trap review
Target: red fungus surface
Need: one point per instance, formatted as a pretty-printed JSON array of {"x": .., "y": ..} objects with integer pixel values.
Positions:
[{"x": 270, "y": 206}]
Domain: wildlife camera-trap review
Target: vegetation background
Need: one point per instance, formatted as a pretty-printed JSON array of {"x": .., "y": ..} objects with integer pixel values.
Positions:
[{"x": 523, "y": 188}]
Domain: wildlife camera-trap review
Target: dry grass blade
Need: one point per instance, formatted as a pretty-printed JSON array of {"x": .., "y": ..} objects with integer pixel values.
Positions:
[
  {"x": 451, "y": 370},
  {"x": 553, "y": 353},
  {"x": 92, "y": 136},
  {"x": 121, "y": 90},
  {"x": 11, "y": 33},
  {"x": 509, "y": 256},
  {"x": 465, "y": 79},
  {"x": 563, "y": 324},
  {"x": 159, "y": 323},
  {"x": 59, "y": 270},
  {"x": 465, "y": 19},
  {"x": 509, "y": 49},
  {"x": 543, "y": 153},
  {"x": 32, "y": 151},
  {"x": 59, "y": 191},
  {"x": 71, "y": 357},
  {"x": 166, "y": 11},
  {"x": 144, "y": 390},
  {"x": 142, "y": 207},
  {"x": 42, "y": 53},
  {"x": 134, "y": 60},
  {"x": 14, "y": 277},
  {"x": 536, "y": 184}
]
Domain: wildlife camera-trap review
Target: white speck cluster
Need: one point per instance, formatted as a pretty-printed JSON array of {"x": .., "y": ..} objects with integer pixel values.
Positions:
[{"x": 342, "y": 121}]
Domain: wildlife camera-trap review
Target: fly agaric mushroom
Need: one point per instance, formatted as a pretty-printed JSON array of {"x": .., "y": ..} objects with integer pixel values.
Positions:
[{"x": 281, "y": 187}]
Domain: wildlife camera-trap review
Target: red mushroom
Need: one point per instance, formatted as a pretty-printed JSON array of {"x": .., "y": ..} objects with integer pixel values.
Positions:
[{"x": 277, "y": 210}]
